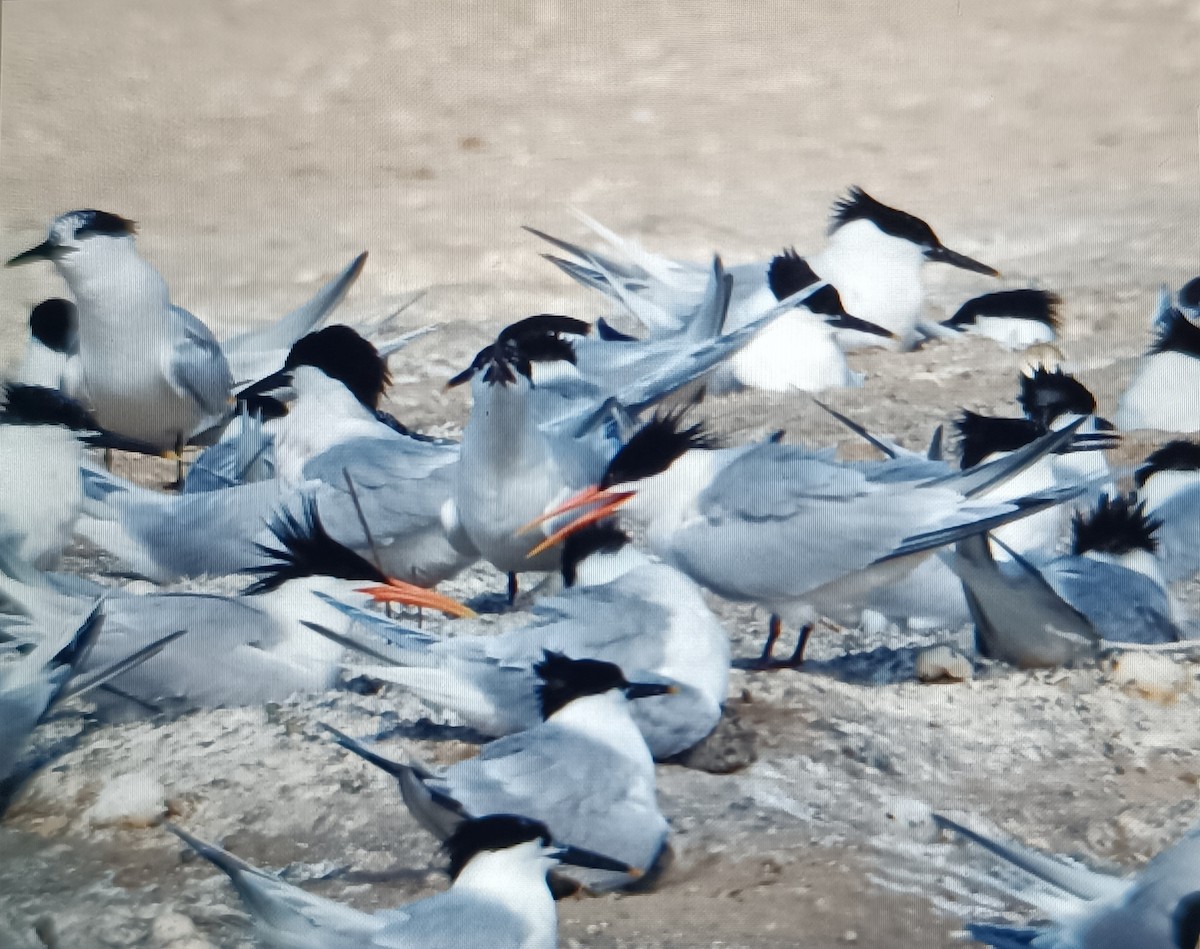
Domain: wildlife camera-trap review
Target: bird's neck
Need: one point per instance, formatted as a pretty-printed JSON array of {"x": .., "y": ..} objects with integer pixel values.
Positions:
[
  {"x": 605, "y": 567},
  {"x": 501, "y": 429},
  {"x": 111, "y": 278},
  {"x": 515, "y": 879},
  {"x": 604, "y": 719}
]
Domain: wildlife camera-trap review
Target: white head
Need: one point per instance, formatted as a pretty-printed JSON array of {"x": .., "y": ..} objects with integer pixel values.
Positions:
[{"x": 82, "y": 239}]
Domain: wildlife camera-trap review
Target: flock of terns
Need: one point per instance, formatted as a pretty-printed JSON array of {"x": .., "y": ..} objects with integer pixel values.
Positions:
[{"x": 584, "y": 460}]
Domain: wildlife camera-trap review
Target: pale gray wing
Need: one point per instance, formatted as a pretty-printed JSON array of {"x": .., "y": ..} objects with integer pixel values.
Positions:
[
  {"x": 401, "y": 483},
  {"x": 1123, "y": 605},
  {"x": 198, "y": 367},
  {"x": 580, "y": 789},
  {"x": 454, "y": 919},
  {"x": 257, "y": 353}
]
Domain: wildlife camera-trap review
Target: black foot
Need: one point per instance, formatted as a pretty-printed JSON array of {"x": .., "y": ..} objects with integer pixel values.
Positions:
[{"x": 795, "y": 660}]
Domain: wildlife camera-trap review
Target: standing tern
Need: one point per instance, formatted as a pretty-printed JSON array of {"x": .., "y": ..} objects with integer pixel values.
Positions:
[
  {"x": 873, "y": 258},
  {"x": 1016, "y": 319},
  {"x": 585, "y": 771},
  {"x": 498, "y": 897},
  {"x": 1156, "y": 908},
  {"x": 792, "y": 530},
  {"x": 619, "y": 606},
  {"x": 1058, "y": 610},
  {"x": 150, "y": 369}
]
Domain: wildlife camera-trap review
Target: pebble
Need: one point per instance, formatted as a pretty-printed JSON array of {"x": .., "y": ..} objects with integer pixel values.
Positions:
[
  {"x": 1151, "y": 676},
  {"x": 136, "y": 799},
  {"x": 943, "y": 664}
]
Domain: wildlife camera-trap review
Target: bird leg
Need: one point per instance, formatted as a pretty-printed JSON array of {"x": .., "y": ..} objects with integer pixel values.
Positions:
[
  {"x": 177, "y": 484},
  {"x": 512, "y": 589},
  {"x": 774, "y": 626},
  {"x": 795, "y": 660}
]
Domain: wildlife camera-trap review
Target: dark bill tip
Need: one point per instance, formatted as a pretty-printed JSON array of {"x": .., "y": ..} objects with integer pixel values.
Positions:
[
  {"x": 644, "y": 690},
  {"x": 844, "y": 321},
  {"x": 579, "y": 857},
  {"x": 943, "y": 255},
  {"x": 47, "y": 250}
]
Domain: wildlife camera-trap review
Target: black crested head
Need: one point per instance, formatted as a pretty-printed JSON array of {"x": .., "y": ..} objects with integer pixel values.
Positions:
[
  {"x": 342, "y": 354},
  {"x": 790, "y": 273},
  {"x": 489, "y": 834},
  {"x": 1117, "y": 526},
  {"x": 1189, "y": 294},
  {"x": 1049, "y": 394},
  {"x": 655, "y": 446},
  {"x": 55, "y": 323},
  {"x": 564, "y": 680},
  {"x": 541, "y": 338},
  {"x": 88, "y": 221},
  {"x": 860, "y": 206},
  {"x": 1176, "y": 334},
  {"x": 306, "y": 550},
  {"x": 982, "y": 435},
  {"x": 1178, "y": 455},
  {"x": 1038, "y": 306},
  {"x": 601, "y": 537}
]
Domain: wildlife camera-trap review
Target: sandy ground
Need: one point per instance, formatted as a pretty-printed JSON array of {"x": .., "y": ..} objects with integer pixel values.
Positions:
[{"x": 262, "y": 144}]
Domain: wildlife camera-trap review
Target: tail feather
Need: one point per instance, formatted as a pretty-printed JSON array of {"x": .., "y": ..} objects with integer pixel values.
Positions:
[{"x": 1004, "y": 937}]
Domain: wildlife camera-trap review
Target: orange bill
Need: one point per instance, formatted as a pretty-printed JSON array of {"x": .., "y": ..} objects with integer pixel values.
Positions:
[
  {"x": 613, "y": 500},
  {"x": 409, "y": 594},
  {"x": 577, "y": 500}
]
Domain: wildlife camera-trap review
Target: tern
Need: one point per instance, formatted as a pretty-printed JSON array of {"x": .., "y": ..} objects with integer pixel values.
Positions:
[
  {"x": 1160, "y": 394},
  {"x": 1169, "y": 481},
  {"x": 620, "y": 606},
  {"x": 1156, "y": 908},
  {"x": 52, "y": 354},
  {"x": 584, "y": 771},
  {"x": 498, "y": 897},
  {"x": 873, "y": 258},
  {"x": 1059, "y": 610},
  {"x": 793, "y": 530},
  {"x": 1016, "y": 319}
]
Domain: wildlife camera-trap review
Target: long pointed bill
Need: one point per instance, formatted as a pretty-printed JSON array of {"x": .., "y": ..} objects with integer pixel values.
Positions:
[
  {"x": 580, "y": 857},
  {"x": 644, "y": 690},
  {"x": 47, "y": 250},
  {"x": 944, "y": 255},
  {"x": 844, "y": 321},
  {"x": 409, "y": 594},
  {"x": 575, "y": 501},
  {"x": 613, "y": 501}
]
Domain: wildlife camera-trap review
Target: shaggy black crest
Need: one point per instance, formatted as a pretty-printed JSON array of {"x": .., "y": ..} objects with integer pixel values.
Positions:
[
  {"x": 981, "y": 435},
  {"x": 1116, "y": 526},
  {"x": 1189, "y": 294},
  {"x": 1049, "y": 394},
  {"x": 790, "y": 273},
  {"x": 601, "y": 537},
  {"x": 1176, "y": 334},
  {"x": 342, "y": 354},
  {"x": 491, "y": 833},
  {"x": 655, "y": 446},
  {"x": 89, "y": 221},
  {"x": 534, "y": 339},
  {"x": 860, "y": 206},
  {"x": 54, "y": 323},
  {"x": 306, "y": 550},
  {"x": 1038, "y": 306},
  {"x": 1178, "y": 455},
  {"x": 565, "y": 679},
  {"x": 1185, "y": 921},
  {"x": 38, "y": 405}
]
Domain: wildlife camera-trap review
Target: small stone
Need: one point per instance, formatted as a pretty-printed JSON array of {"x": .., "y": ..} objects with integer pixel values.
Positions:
[
  {"x": 943, "y": 664},
  {"x": 170, "y": 927},
  {"x": 137, "y": 800},
  {"x": 1151, "y": 676},
  {"x": 729, "y": 747},
  {"x": 849, "y": 936}
]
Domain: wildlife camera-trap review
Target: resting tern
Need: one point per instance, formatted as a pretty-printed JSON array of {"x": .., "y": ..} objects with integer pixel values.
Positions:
[
  {"x": 585, "y": 770},
  {"x": 1016, "y": 319},
  {"x": 1156, "y": 908},
  {"x": 620, "y": 606},
  {"x": 1169, "y": 480},
  {"x": 873, "y": 258},
  {"x": 498, "y": 897},
  {"x": 790, "y": 529},
  {"x": 1160, "y": 394},
  {"x": 1057, "y": 610},
  {"x": 52, "y": 354},
  {"x": 239, "y": 650}
]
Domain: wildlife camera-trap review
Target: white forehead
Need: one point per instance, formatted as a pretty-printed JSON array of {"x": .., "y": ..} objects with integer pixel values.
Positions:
[{"x": 65, "y": 225}]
